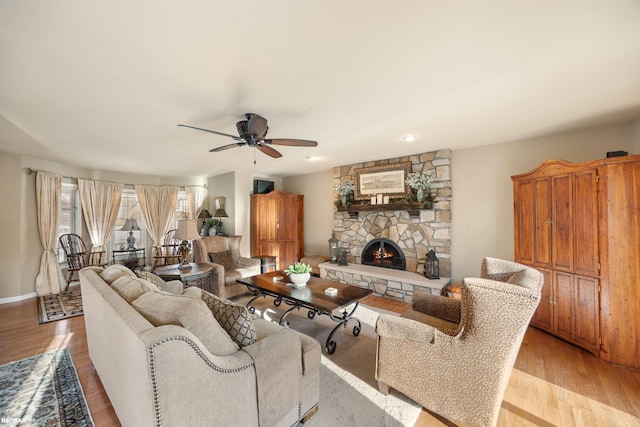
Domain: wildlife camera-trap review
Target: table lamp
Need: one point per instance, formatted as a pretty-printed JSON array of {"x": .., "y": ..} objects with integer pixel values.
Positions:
[
  {"x": 186, "y": 231},
  {"x": 130, "y": 225},
  {"x": 220, "y": 213},
  {"x": 204, "y": 215}
]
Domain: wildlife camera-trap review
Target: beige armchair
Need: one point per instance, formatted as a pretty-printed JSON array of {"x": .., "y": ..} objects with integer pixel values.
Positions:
[
  {"x": 223, "y": 252},
  {"x": 454, "y": 357}
]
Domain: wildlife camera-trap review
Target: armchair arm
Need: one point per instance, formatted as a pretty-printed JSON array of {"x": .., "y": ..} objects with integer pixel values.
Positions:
[
  {"x": 278, "y": 365},
  {"x": 248, "y": 262},
  {"x": 404, "y": 329},
  {"x": 437, "y": 306}
]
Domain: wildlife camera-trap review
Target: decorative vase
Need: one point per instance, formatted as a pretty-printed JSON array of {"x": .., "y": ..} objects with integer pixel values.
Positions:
[
  {"x": 344, "y": 200},
  {"x": 212, "y": 231},
  {"x": 299, "y": 279},
  {"x": 420, "y": 195}
]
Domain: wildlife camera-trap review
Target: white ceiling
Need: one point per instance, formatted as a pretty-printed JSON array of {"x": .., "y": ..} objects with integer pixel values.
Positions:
[{"x": 102, "y": 84}]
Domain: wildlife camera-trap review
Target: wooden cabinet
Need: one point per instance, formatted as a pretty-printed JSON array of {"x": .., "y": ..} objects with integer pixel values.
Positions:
[
  {"x": 578, "y": 224},
  {"x": 277, "y": 227}
]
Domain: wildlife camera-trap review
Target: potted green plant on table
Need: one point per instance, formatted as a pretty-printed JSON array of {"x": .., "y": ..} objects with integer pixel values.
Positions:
[{"x": 299, "y": 273}]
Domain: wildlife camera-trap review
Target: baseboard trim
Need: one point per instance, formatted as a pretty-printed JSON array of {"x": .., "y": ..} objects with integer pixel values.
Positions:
[{"x": 18, "y": 298}]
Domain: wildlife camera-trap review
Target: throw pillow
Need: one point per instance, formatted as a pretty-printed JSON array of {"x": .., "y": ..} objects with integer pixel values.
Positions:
[
  {"x": 223, "y": 258},
  {"x": 190, "y": 313},
  {"x": 172, "y": 286},
  {"x": 234, "y": 318},
  {"x": 130, "y": 288},
  {"x": 114, "y": 271}
]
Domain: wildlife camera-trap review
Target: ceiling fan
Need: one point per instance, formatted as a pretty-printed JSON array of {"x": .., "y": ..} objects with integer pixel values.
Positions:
[{"x": 252, "y": 132}]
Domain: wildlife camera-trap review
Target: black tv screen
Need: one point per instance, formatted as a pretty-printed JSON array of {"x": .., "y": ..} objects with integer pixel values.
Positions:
[{"x": 262, "y": 187}]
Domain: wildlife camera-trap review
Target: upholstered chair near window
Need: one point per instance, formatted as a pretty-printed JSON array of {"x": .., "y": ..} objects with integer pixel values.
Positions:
[
  {"x": 454, "y": 357},
  {"x": 223, "y": 252}
]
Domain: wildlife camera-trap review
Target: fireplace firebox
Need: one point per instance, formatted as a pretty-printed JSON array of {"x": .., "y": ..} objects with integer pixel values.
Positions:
[{"x": 383, "y": 252}]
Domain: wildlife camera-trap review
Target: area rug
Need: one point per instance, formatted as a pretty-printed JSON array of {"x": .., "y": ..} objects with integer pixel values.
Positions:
[
  {"x": 43, "y": 390},
  {"x": 349, "y": 393},
  {"x": 60, "y": 306}
]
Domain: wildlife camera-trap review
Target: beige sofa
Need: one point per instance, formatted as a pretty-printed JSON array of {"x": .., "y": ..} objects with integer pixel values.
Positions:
[
  {"x": 176, "y": 365},
  {"x": 223, "y": 252}
]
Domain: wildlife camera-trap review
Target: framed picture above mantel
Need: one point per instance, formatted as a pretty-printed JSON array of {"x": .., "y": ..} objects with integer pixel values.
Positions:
[{"x": 388, "y": 180}]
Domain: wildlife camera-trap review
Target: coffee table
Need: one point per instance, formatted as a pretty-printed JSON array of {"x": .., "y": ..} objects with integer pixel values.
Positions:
[
  {"x": 199, "y": 273},
  {"x": 310, "y": 297}
]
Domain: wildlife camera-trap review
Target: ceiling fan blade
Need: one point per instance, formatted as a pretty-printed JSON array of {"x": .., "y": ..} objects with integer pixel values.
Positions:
[
  {"x": 257, "y": 125},
  {"x": 226, "y": 147},
  {"x": 292, "y": 142},
  {"x": 269, "y": 151},
  {"x": 237, "y": 138}
]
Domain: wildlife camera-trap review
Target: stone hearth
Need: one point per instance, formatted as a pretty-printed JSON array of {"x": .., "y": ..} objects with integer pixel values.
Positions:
[{"x": 390, "y": 283}]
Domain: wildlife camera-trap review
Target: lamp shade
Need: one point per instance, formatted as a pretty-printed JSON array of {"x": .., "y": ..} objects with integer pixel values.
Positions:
[
  {"x": 204, "y": 214},
  {"x": 220, "y": 213},
  {"x": 130, "y": 224},
  {"x": 186, "y": 230}
]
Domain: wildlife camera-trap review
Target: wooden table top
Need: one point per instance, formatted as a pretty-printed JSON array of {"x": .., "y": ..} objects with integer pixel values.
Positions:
[
  {"x": 173, "y": 271},
  {"x": 311, "y": 294}
]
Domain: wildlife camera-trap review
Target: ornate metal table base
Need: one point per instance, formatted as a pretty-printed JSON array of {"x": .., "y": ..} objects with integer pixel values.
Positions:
[{"x": 312, "y": 312}]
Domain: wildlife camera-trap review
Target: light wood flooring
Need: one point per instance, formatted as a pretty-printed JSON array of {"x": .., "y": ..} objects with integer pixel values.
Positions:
[{"x": 553, "y": 383}]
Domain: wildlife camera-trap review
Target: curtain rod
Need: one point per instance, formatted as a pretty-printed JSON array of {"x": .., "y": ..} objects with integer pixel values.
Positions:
[{"x": 31, "y": 171}]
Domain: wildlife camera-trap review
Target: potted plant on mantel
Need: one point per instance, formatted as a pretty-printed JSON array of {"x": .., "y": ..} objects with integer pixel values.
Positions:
[
  {"x": 421, "y": 181},
  {"x": 344, "y": 188}
]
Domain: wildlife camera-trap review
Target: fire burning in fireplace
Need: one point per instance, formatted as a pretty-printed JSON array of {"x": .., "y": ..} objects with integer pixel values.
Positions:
[{"x": 384, "y": 253}]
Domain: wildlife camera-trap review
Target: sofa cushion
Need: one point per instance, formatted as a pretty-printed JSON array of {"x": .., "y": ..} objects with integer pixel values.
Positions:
[
  {"x": 172, "y": 286},
  {"x": 114, "y": 271},
  {"x": 130, "y": 288},
  {"x": 188, "y": 312},
  {"x": 223, "y": 258},
  {"x": 234, "y": 318}
]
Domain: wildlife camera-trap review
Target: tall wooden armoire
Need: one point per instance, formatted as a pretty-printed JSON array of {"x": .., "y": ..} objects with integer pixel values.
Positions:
[
  {"x": 277, "y": 224},
  {"x": 579, "y": 224}
]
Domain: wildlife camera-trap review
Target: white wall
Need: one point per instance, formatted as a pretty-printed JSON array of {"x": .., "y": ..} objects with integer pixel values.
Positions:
[
  {"x": 318, "y": 209},
  {"x": 482, "y": 205}
]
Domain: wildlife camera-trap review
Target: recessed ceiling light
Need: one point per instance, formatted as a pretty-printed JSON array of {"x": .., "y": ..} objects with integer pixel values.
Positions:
[
  {"x": 312, "y": 158},
  {"x": 409, "y": 138}
]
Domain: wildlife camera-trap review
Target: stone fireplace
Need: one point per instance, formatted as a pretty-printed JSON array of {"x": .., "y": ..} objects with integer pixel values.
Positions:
[
  {"x": 381, "y": 252},
  {"x": 413, "y": 233}
]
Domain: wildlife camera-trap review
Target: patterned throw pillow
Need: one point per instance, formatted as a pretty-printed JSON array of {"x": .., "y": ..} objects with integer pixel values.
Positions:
[
  {"x": 235, "y": 319},
  {"x": 172, "y": 286},
  {"x": 223, "y": 258}
]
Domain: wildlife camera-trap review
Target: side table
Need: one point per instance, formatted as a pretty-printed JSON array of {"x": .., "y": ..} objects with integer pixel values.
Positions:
[
  {"x": 199, "y": 273},
  {"x": 267, "y": 263},
  {"x": 131, "y": 258}
]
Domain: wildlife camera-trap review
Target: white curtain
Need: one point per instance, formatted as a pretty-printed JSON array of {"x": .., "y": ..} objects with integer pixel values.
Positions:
[
  {"x": 48, "y": 191},
  {"x": 100, "y": 203},
  {"x": 158, "y": 206},
  {"x": 195, "y": 198}
]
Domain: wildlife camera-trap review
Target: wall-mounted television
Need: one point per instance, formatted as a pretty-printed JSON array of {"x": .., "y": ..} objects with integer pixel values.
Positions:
[{"x": 262, "y": 187}]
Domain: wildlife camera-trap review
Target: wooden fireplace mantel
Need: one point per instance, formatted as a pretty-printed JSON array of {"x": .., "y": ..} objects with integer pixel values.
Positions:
[{"x": 413, "y": 209}]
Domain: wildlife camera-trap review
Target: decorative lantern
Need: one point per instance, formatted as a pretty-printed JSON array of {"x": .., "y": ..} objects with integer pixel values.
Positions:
[
  {"x": 342, "y": 257},
  {"x": 333, "y": 248},
  {"x": 431, "y": 266}
]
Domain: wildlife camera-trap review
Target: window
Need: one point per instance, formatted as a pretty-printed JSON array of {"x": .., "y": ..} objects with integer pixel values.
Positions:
[
  {"x": 129, "y": 209},
  {"x": 70, "y": 216},
  {"x": 182, "y": 207}
]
